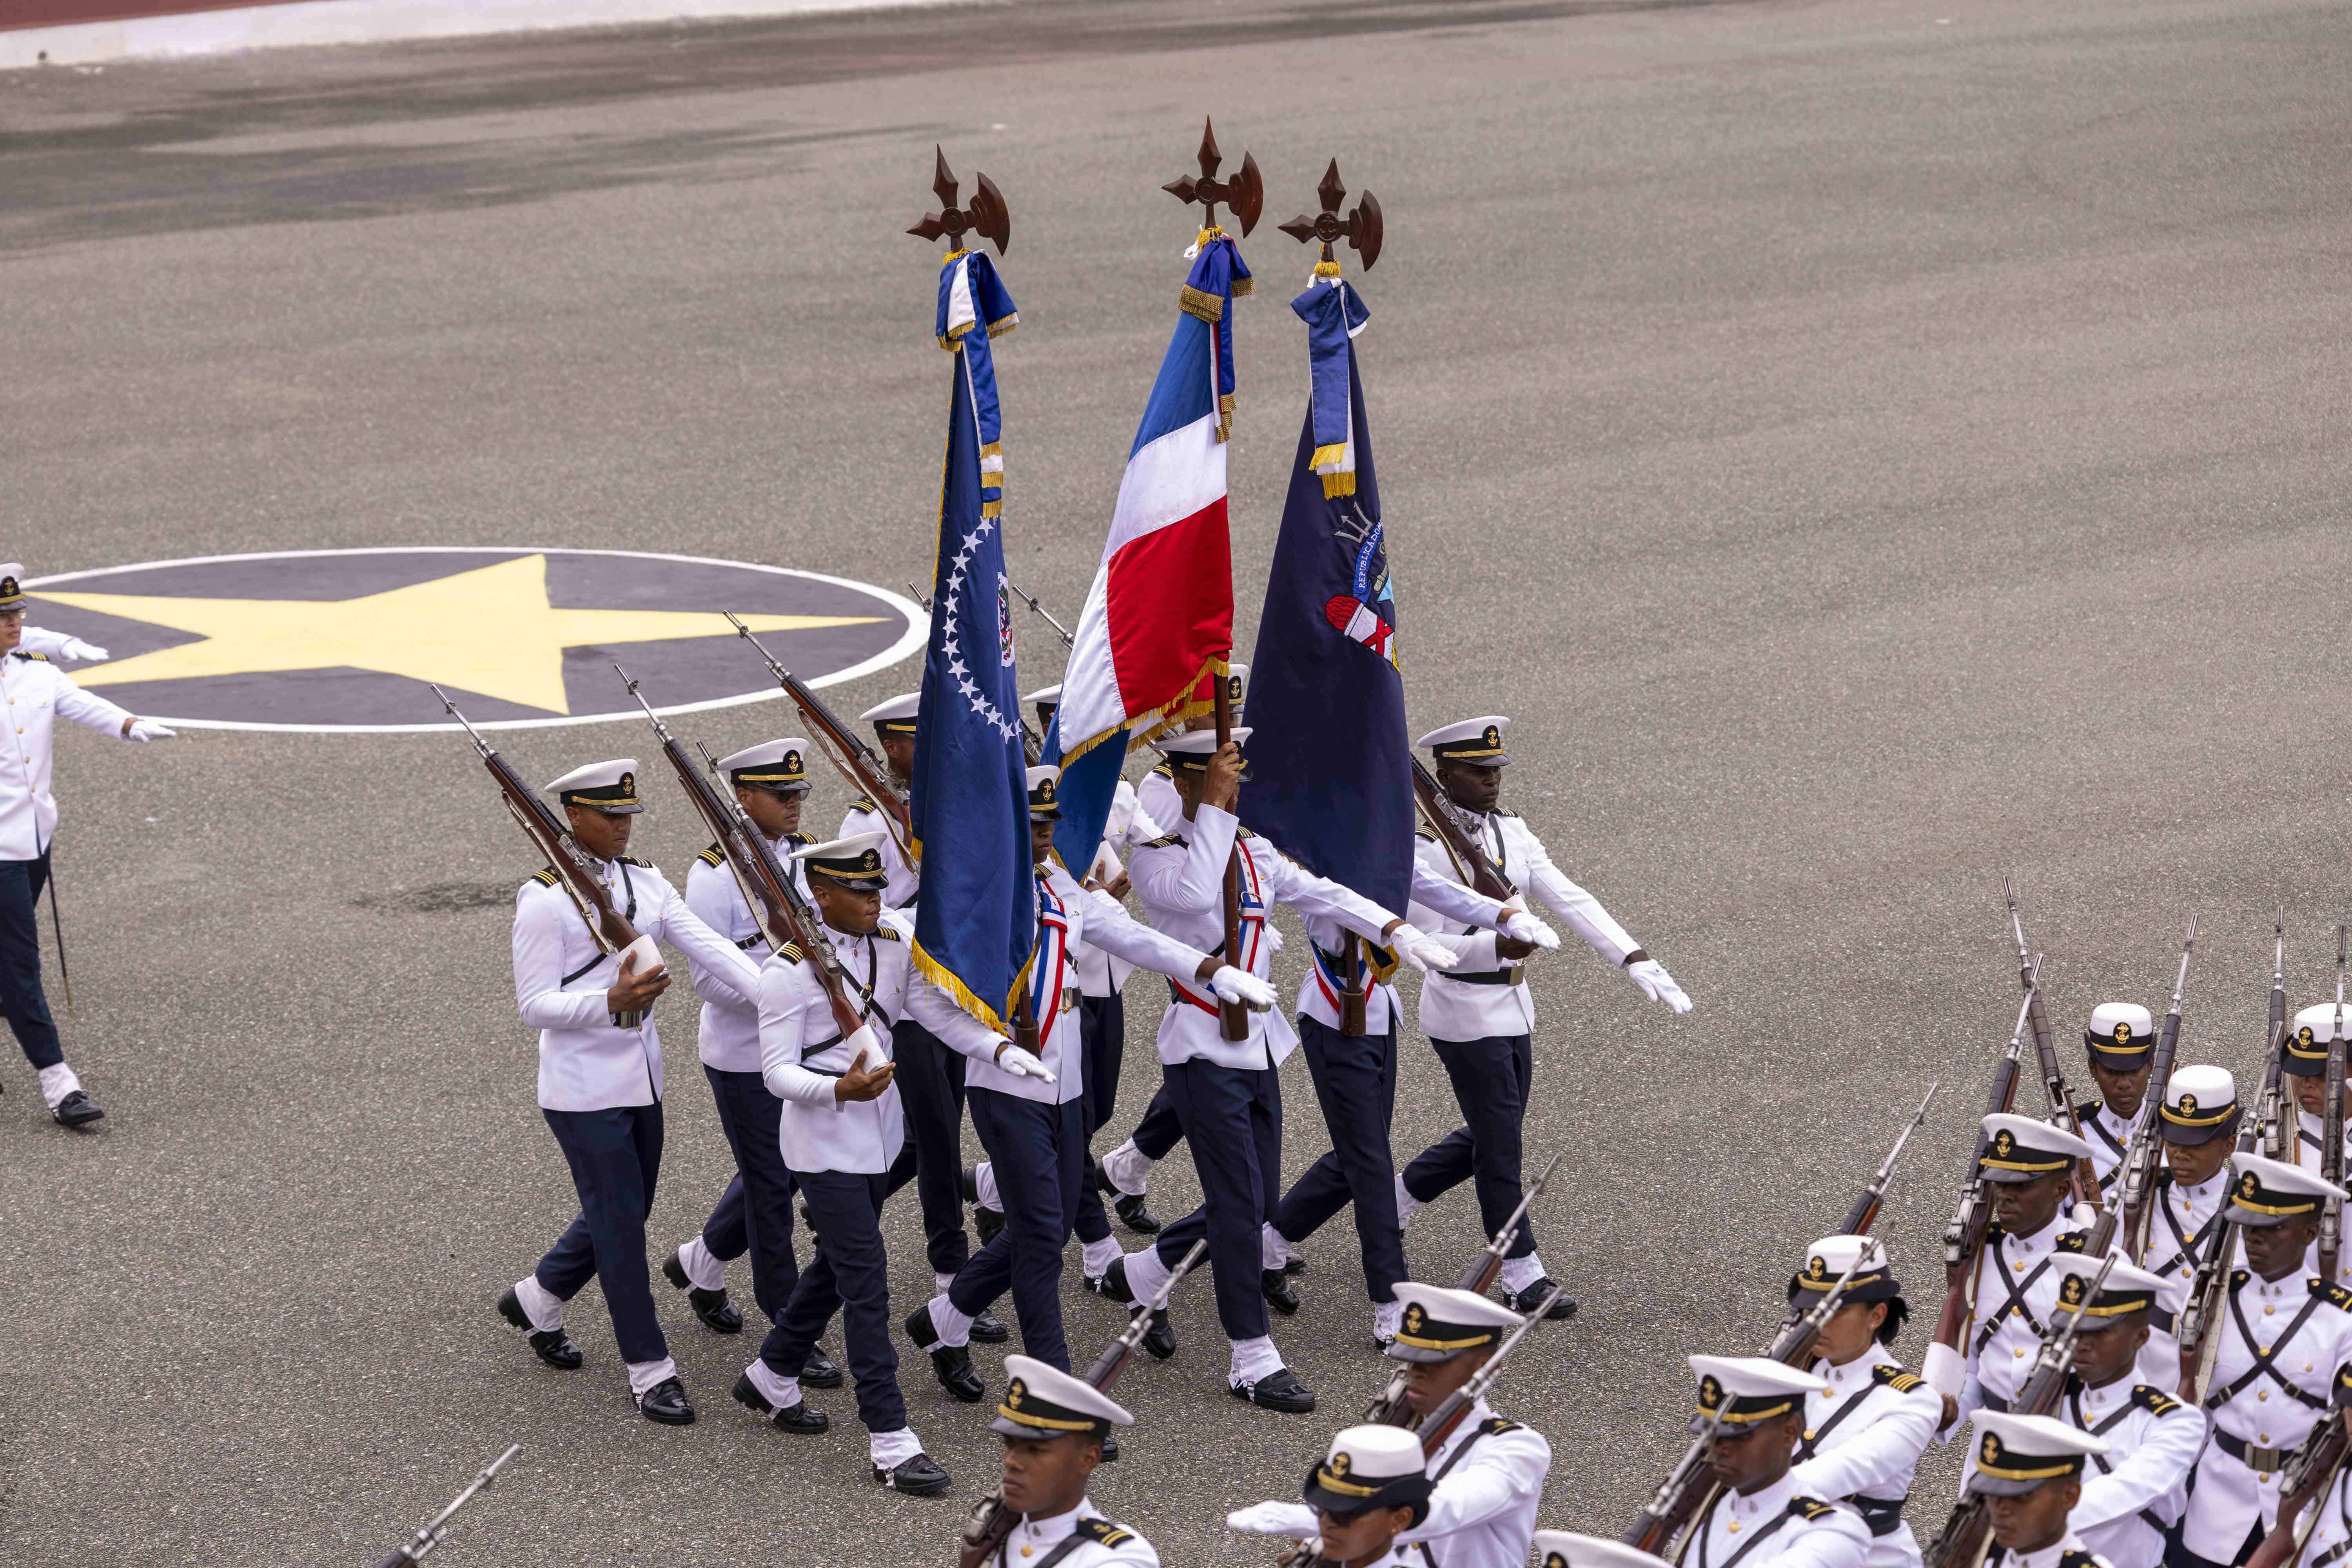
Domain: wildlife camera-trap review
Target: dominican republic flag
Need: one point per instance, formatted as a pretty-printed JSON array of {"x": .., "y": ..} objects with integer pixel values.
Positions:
[
  {"x": 977, "y": 920},
  {"x": 1161, "y": 613},
  {"x": 1330, "y": 759}
]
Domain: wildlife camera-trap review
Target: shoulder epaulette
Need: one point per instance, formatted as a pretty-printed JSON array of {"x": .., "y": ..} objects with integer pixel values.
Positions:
[
  {"x": 27, "y": 653},
  {"x": 2087, "y": 1112},
  {"x": 2239, "y": 1277},
  {"x": 714, "y": 856},
  {"x": 2078, "y": 1560},
  {"x": 1164, "y": 771},
  {"x": 1241, "y": 832},
  {"x": 1495, "y": 1425},
  {"x": 802, "y": 839},
  {"x": 1895, "y": 1378},
  {"x": 546, "y": 878},
  {"x": 1810, "y": 1508},
  {"x": 864, "y": 803},
  {"x": 1165, "y": 841},
  {"x": 791, "y": 953},
  {"x": 1103, "y": 1532},
  {"x": 1500, "y": 812},
  {"x": 2155, "y": 1401},
  {"x": 886, "y": 934},
  {"x": 1424, "y": 834},
  {"x": 640, "y": 865},
  {"x": 2338, "y": 1297},
  {"x": 2072, "y": 1241}
]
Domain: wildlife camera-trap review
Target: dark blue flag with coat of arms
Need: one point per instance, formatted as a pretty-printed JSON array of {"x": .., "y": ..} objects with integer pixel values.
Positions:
[
  {"x": 1331, "y": 761},
  {"x": 977, "y": 920}
]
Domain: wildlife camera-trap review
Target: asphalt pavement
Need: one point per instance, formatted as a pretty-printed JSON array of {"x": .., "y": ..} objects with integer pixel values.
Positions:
[{"x": 1870, "y": 447}]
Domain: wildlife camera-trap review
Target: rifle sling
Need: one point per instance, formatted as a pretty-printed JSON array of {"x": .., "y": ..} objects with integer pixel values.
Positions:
[
  {"x": 867, "y": 1006},
  {"x": 1883, "y": 1516},
  {"x": 2016, "y": 1302},
  {"x": 2190, "y": 1245},
  {"x": 2265, "y": 1360},
  {"x": 629, "y": 914},
  {"x": 2075, "y": 1402},
  {"x": 1759, "y": 1538}
]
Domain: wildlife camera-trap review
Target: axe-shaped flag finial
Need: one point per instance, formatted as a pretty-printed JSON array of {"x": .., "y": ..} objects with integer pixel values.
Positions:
[
  {"x": 1361, "y": 228},
  {"x": 987, "y": 217},
  {"x": 1245, "y": 193}
]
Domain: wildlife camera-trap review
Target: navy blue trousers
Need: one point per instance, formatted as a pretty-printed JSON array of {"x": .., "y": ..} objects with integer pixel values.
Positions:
[
  {"x": 1040, "y": 1154},
  {"x": 615, "y": 1156},
  {"x": 21, "y": 997},
  {"x": 930, "y": 1092},
  {"x": 1156, "y": 1135},
  {"x": 1490, "y": 1083},
  {"x": 848, "y": 1274},
  {"x": 1355, "y": 1082},
  {"x": 1233, "y": 1119},
  {"x": 755, "y": 1213},
  {"x": 1102, "y": 1038}
]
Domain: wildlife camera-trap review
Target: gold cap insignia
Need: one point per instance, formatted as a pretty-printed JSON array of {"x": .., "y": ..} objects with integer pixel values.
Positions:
[
  {"x": 1232, "y": 688},
  {"x": 2003, "y": 1145},
  {"x": 8, "y": 589},
  {"x": 1339, "y": 1465},
  {"x": 629, "y": 781},
  {"x": 1493, "y": 736},
  {"x": 2123, "y": 1032},
  {"x": 1710, "y": 1393},
  {"x": 2305, "y": 1034},
  {"x": 1413, "y": 1318},
  {"x": 792, "y": 762},
  {"x": 1819, "y": 1268},
  {"x": 1016, "y": 1392},
  {"x": 869, "y": 861},
  {"x": 1554, "y": 1560},
  {"x": 1990, "y": 1453},
  {"x": 1046, "y": 791},
  {"x": 2187, "y": 1105},
  {"x": 2246, "y": 1185},
  {"x": 2071, "y": 1291}
]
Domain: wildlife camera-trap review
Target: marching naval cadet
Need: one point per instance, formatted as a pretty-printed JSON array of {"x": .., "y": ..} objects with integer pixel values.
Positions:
[
  {"x": 2029, "y": 1469},
  {"x": 1368, "y": 1492},
  {"x": 930, "y": 1075},
  {"x": 2029, "y": 1163},
  {"x": 1479, "y": 1015},
  {"x": 2282, "y": 1338},
  {"x": 1226, "y": 1093},
  {"x": 2331, "y": 1528},
  {"x": 1034, "y": 1127},
  {"x": 1868, "y": 1424},
  {"x": 843, "y": 1133},
  {"x": 2136, "y": 1489},
  {"x": 2121, "y": 1041},
  {"x": 599, "y": 1085},
  {"x": 1354, "y": 1086},
  {"x": 1760, "y": 1514},
  {"x": 1487, "y": 1477},
  {"x": 1125, "y": 1171},
  {"x": 2197, "y": 1120},
  {"x": 37, "y": 693},
  {"x": 1055, "y": 1428},
  {"x": 2304, "y": 1067},
  {"x": 755, "y": 1213}
]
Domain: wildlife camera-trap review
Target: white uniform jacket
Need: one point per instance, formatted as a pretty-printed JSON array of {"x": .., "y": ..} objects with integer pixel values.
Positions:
[
  {"x": 1490, "y": 1478},
  {"x": 1156, "y": 797},
  {"x": 2179, "y": 1234},
  {"x": 37, "y": 692},
  {"x": 1068, "y": 914},
  {"x": 1777, "y": 1525},
  {"x": 1863, "y": 1441},
  {"x": 1182, "y": 880},
  {"x": 2069, "y": 1553},
  {"x": 2267, "y": 1392},
  {"x": 2016, "y": 1291},
  {"x": 1482, "y": 996},
  {"x": 906, "y": 881},
  {"x": 2133, "y": 1493},
  {"x": 560, "y": 977},
  {"x": 2109, "y": 1135},
  {"x": 1433, "y": 899},
  {"x": 802, "y": 1053},
  {"x": 1103, "y": 1543},
  {"x": 729, "y": 1039},
  {"x": 1129, "y": 824}
]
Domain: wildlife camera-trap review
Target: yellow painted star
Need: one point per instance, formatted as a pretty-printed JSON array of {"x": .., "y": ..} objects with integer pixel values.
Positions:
[{"x": 490, "y": 630}]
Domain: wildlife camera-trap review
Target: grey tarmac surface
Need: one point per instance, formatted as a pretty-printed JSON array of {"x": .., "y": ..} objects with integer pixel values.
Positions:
[{"x": 1869, "y": 447}]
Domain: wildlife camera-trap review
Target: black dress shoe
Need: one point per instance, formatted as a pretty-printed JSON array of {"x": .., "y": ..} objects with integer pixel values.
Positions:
[
  {"x": 716, "y": 1312},
  {"x": 667, "y": 1403},
  {"x": 951, "y": 1363},
  {"x": 796, "y": 1419},
  {"x": 77, "y": 1111},
  {"x": 988, "y": 1222},
  {"x": 1297, "y": 1262},
  {"x": 1112, "y": 1282},
  {"x": 1134, "y": 1216},
  {"x": 988, "y": 1329},
  {"x": 1529, "y": 1299},
  {"x": 1160, "y": 1339},
  {"x": 554, "y": 1347},
  {"x": 1278, "y": 1390},
  {"x": 820, "y": 1371},
  {"x": 918, "y": 1477},
  {"x": 1279, "y": 1293}
]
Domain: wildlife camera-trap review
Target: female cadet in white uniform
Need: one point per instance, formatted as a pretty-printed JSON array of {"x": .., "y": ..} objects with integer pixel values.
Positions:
[{"x": 1867, "y": 1426}]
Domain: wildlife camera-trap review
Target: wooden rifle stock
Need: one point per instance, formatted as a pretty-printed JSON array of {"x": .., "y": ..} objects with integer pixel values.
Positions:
[
  {"x": 2331, "y": 1132},
  {"x": 1353, "y": 996},
  {"x": 852, "y": 757},
  {"x": 1469, "y": 856},
  {"x": 2135, "y": 1179},
  {"x": 2309, "y": 1476},
  {"x": 1864, "y": 1212},
  {"x": 1232, "y": 1018},
  {"x": 2209, "y": 1280},
  {"x": 1964, "y": 1233},
  {"x": 2086, "y": 1181}
]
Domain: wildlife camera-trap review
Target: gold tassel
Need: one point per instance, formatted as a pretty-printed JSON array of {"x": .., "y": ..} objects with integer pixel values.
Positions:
[
  {"x": 1004, "y": 324},
  {"x": 1323, "y": 455},
  {"x": 1327, "y": 269},
  {"x": 941, "y": 976},
  {"x": 1337, "y": 485},
  {"x": 1208, "y": 306},
  {"x": 996, "y": 508},
  {"x": 1244, "y": 285}
]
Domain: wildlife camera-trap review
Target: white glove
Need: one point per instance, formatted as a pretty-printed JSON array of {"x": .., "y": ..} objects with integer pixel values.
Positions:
[
  {"x": 1231, "y": 985},
  {"x": 1523, "y": 927},
  {"x": 1421, "y": 950},
  {"x": 1021, "y": 1063},
  {"x": 88, "y": 652},
  {"x": 145, "y": 729},
  {"x": 1658, "y": 985},
  {"x": 1292, "y": 1519}
]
